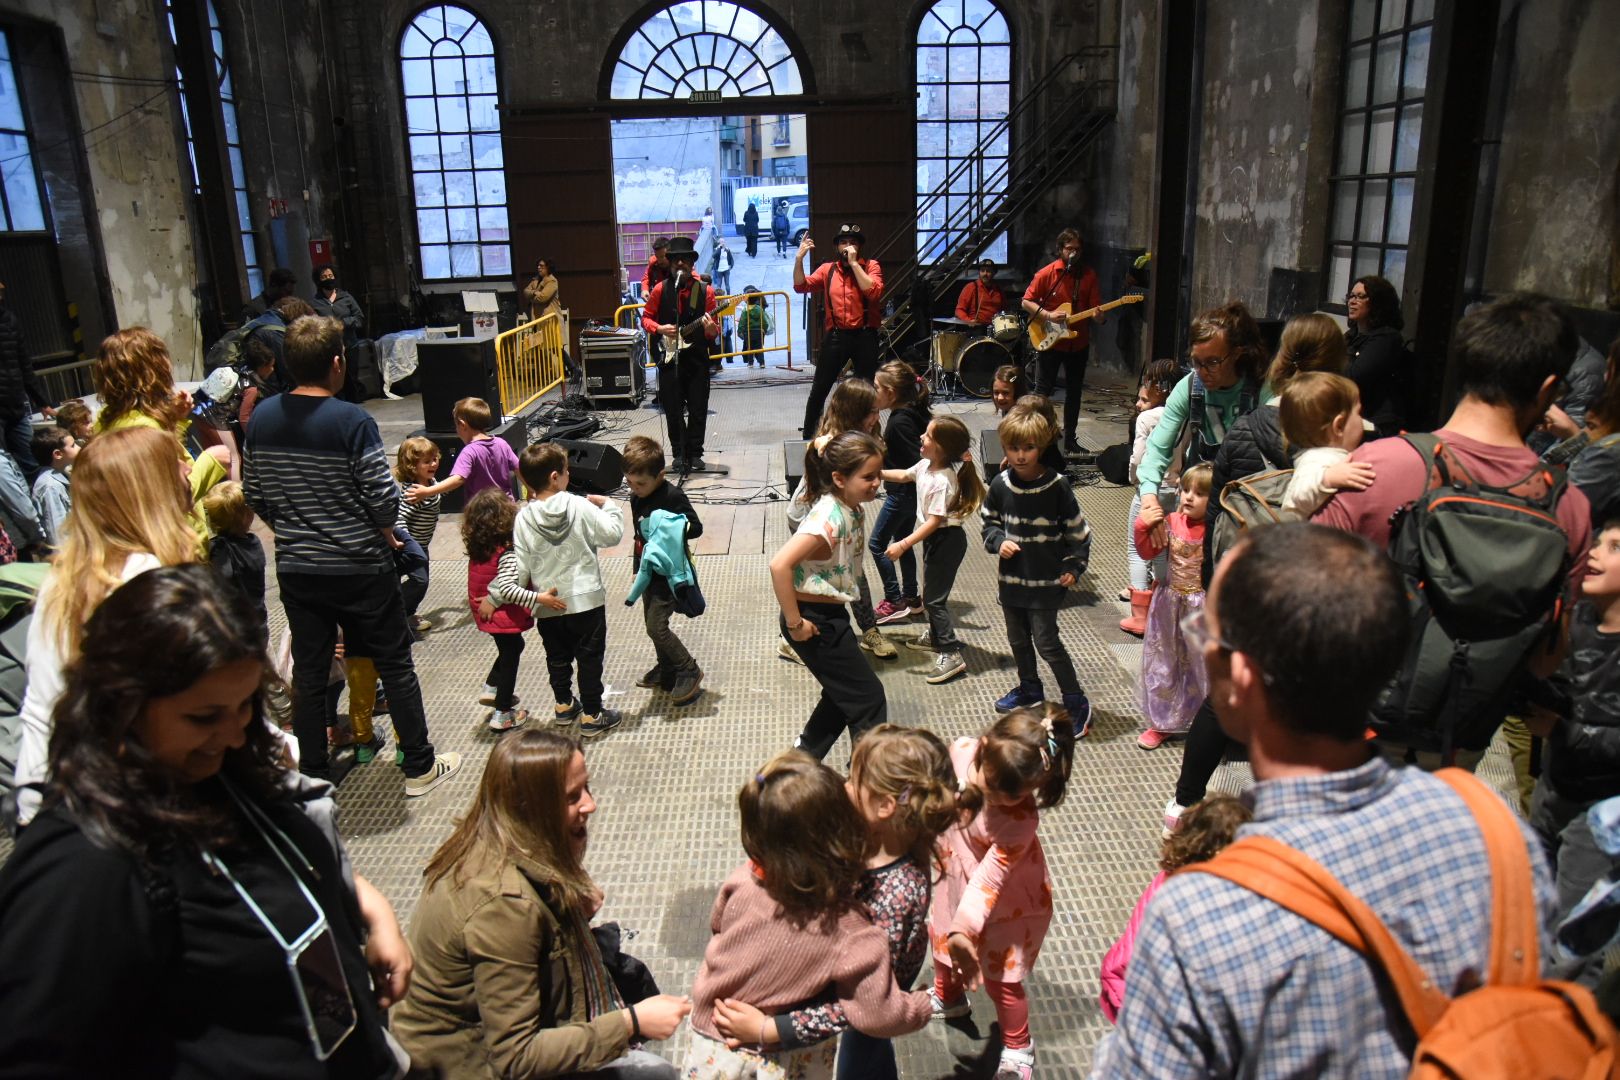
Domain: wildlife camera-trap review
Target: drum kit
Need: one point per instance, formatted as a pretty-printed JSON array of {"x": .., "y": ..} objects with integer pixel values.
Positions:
[{"x": 966, "y": 355}]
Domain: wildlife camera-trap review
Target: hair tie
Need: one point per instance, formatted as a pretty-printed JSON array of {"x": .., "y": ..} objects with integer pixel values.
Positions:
[
  {"x": 904, "y": 796},
  {"x": 759, "y": 778}
]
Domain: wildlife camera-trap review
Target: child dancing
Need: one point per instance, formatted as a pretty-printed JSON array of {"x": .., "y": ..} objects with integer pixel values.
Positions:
[
  {"x": 994, "y": 905},
  {"x": 1033, "y": 525},
  {"x": 949, "y": 489},
  {"x": 787, "y": 927},
  {"x": 815, "y": 578},
  {"x": 902, "y": 784},
  {"x": 1174, "y": 683}
]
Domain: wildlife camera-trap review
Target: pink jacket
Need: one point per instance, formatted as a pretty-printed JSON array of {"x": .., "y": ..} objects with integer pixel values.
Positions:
[{"x": 1118, "y": 959}]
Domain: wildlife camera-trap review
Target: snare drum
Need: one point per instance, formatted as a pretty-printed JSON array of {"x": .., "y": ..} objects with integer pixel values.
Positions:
[
  {"x": 978, "y": 363},
  {"x": 1007, "y": 327},
  {"x": 947, "y": 346}
]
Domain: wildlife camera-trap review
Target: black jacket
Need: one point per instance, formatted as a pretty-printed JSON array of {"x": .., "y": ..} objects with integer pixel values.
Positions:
[
  {"x": 1253, "y": 444},
  {"x": 20, "y": 391},
  {"x": 1583, "y": 751},
  {"x": 902, "y": 436},
  {"x": 344, "y": 308},
  {"x": 1379, "y": 366}
]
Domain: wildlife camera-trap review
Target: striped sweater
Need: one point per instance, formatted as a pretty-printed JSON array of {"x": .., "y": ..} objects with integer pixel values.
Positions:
[
  {"x": 508, "y": 586},
  {"x": 420, "y": 519},
  {"x": 313, "y": 468},
  {"x": 1044, "y": 520}
]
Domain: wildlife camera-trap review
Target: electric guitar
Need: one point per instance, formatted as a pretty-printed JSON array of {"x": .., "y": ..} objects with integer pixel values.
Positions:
[
  {"x": 1045, "y": 333},
  {"x": 688, "y": 332}
]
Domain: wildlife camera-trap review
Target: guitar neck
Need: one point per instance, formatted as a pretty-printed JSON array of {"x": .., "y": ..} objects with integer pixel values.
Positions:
[{"x": 1081, "y": 316}]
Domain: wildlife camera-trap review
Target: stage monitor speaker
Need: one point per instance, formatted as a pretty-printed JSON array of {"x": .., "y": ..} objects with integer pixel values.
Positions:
[
  {"x": 452, "y": 369},
  {"x": 990, "y": 449},
  {"x": 594, "y": 468},
  {"x": 793, "y": 463}
]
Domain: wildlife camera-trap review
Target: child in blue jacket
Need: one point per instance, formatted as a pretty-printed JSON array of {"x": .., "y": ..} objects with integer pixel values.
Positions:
[{"x": 675, "y": 672}]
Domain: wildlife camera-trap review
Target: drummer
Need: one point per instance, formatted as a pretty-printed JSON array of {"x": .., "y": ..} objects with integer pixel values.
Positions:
[{"x": 981, "y": 301}]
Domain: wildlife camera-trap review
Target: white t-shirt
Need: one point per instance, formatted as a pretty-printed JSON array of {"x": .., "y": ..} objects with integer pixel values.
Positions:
[
  {"x": 844, "y": 529},
  {"x": 936, "y": 490},
  {"x": 1307, "y": 491},
  {"x": 45, "y": 686}
]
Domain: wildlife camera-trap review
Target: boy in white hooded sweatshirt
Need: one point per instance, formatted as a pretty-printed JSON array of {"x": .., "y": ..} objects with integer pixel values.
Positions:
[{"x": 556, "y": 538}]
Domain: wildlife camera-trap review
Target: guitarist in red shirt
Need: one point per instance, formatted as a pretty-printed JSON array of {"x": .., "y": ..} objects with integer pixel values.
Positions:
[
  {"x": 680, "y": 315},
  {"x": 1065, "y": 281}
]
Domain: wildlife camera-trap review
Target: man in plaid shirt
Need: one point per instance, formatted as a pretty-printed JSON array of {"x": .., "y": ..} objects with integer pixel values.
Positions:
[{"x": 1304, "y": 626}]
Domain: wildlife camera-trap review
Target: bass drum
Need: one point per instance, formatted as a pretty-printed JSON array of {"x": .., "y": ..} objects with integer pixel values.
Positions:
[
  {"x": 977, "y": 364},
  {"x": 1007, "y": 327}
]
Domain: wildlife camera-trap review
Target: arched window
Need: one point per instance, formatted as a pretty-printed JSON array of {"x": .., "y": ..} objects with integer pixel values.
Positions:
[
  {"x": 964, "y": 87},
  {"x": 233, "y": 142},
  {"x": 705, "y": 45},
  {"x": 447, "y": 65}
]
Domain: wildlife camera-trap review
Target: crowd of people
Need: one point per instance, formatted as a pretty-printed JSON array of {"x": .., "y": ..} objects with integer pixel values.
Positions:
[{"x": 1354, "y": 608}]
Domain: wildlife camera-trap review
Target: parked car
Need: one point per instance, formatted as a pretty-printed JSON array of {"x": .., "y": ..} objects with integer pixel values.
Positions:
[{"x": 798, "y": 220}]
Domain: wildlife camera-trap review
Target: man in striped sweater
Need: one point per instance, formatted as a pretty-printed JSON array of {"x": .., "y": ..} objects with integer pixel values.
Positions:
[
  {"x": 313, "y": 469},
  {"x": 1033, "y": 524}
]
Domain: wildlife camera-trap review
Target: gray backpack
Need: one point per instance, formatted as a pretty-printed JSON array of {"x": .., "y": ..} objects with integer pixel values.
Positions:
[{"x": 1249, "y": 502}]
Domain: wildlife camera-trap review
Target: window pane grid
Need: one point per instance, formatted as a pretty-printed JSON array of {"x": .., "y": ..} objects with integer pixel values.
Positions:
[
  {"x": 21, "y": 209},
  {"x": 705, "y": 45},
  {"x": 964, "y": 88},
  {"x": 1380, "y": 124},
  {"x": 447, "y": 72}
]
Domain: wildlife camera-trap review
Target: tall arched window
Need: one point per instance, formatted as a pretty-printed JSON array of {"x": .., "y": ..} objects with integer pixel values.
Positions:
[
  {"x": 233, "y": 142},
  {"x": 964, "y": 87},
  {"x": 705, "y": 45},
  {"x": 447, "y": 65}
]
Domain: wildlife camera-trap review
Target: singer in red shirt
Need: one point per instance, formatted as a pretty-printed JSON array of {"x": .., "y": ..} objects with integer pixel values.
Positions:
[
  {"x": 981, "y": 301},
  {"x": 1065, "y": 281},
  {"x": 679, "y": 313},
  {"x": 852, "y": 304}
]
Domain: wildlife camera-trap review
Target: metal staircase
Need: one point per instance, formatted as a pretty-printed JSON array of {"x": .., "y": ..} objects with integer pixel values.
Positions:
[{"x": 1046, "y": 131}]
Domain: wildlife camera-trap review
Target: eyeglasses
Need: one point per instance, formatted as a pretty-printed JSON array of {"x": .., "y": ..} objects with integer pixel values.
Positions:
[
  {"x": 1209, "y": 365},
  {"x": 313, "y": 962},
  {"x": 1355, "y": 296}
]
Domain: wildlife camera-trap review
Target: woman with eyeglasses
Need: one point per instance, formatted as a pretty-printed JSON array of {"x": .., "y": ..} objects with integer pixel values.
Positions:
[
  {"x": 182, "y": 906},
  {"x": 1380, "y": 366}
]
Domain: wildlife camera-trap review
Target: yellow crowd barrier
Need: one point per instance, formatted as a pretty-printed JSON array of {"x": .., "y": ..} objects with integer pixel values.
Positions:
[
  {"x": 529, "y": 361},
  {"x": 778, "y": 306}
]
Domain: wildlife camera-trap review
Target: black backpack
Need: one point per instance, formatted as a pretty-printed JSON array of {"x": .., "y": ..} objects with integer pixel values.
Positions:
[{"x": 1485, "y": 570}]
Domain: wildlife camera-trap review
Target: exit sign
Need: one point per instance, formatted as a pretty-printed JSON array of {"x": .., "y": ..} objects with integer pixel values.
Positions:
[{"x": 703, "y": 97}]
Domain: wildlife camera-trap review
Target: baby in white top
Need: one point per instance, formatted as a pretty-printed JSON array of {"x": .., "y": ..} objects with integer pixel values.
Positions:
[{"x": 1321, "y": 421}]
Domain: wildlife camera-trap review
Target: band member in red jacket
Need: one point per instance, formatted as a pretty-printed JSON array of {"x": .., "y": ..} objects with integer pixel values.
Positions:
[{"x": 1065, "y": 281}]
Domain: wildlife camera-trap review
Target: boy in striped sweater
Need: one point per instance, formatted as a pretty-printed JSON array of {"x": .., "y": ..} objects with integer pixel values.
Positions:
[{"x": 1033, "y": 524}]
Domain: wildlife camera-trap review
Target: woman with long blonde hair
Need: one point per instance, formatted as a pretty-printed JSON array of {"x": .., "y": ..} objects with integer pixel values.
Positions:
[
  {"x": 134, "y": 379},
  {"x": 509, "y": 980},
  {"x": 130, "y": 501}
]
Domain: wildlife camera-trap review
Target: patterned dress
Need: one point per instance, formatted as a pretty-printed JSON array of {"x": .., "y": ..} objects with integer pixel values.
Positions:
[
  {"x": 996, "y": 888},
  {"x": 1174, "y": 682}
]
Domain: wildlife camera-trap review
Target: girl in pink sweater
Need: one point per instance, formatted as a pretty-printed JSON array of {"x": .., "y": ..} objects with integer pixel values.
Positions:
[
  {"x": 788, "y": 927},
  {"x": 992, "y": 909},
  {"x": 1205, "y": 830}
]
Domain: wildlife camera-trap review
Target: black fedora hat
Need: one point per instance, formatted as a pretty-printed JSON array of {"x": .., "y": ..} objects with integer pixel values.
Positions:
[{"x": 679, "y": 246}]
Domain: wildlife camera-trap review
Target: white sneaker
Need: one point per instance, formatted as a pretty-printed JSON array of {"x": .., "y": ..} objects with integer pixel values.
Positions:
[
  {"x": 786, "y": 652},
  {"x": 1016, "y": 1064},
  {"x": 1172, "y": 816},
  {"x": 947, "y": 666},
  {"x": 941, "y": 1010},
  {"x": 444, "y": 767}
]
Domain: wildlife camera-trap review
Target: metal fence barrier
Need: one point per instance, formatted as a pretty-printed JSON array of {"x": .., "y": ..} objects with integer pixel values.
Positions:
[
  {"x": 778, "y": 309},
  {"x": 529, "y": 361}
]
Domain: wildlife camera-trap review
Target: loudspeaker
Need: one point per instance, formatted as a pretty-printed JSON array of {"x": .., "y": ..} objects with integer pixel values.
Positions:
[
  {"x": 452, "y": 369},
  {"x": 793, "y": 462},
  {"x": 595, "y": 468},
  {"x": 990, "y": 448}
]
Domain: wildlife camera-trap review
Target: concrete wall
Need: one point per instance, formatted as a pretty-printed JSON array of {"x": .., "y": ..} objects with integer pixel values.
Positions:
[{"x": 1555, "y": 215}]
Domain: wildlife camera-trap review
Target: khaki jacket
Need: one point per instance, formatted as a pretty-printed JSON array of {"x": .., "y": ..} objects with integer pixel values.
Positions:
[
  {"x": 498, "y": 989},
  {"x": 540, "y": 297}
]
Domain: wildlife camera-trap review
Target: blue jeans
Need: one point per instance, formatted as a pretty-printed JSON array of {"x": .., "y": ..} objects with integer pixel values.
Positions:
[
  {"x": 863, "y": 1057},
  {"x": 895, "y": 520},
  {"x": 19, "y": 434}
]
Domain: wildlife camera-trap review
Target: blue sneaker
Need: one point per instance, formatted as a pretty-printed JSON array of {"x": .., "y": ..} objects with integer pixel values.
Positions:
[
  {"x": 1020, "y": 697},
  {"x": 1078, "y": 706}
]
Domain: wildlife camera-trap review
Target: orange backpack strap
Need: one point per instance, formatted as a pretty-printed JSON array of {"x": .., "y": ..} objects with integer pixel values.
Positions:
[
  {"x": 1515, "y": 926},
  {"x": 1293, "y": 880}
]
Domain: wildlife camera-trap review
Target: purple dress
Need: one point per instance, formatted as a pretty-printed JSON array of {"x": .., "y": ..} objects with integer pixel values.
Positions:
[{"x": 1174, "y": 683}]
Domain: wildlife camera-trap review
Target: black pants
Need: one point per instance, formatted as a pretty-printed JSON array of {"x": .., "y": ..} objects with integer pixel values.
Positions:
[
  {"x": 19, "y": 439},
  {"x": 1073, "y": 364},
  {"x": 504, "y": 672},
  {"x": 683, "y": 393},
  {"x": 1032, "y": 631},
  {"x": 577, "y": 637},
  {"x": 672, "y": 655},
  {"x": 858, "y": 347},
  {"x": 369, "y": 609},
  {"x": 851, "y": 695},
  {"x": 1207, "y": 744},
  {"x": 942, "y": 558},
  {"x": 753, "y": 241}
]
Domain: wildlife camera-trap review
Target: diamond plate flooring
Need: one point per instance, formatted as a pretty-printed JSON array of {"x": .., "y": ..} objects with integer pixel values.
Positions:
[{"x": 665, "y": 834}]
